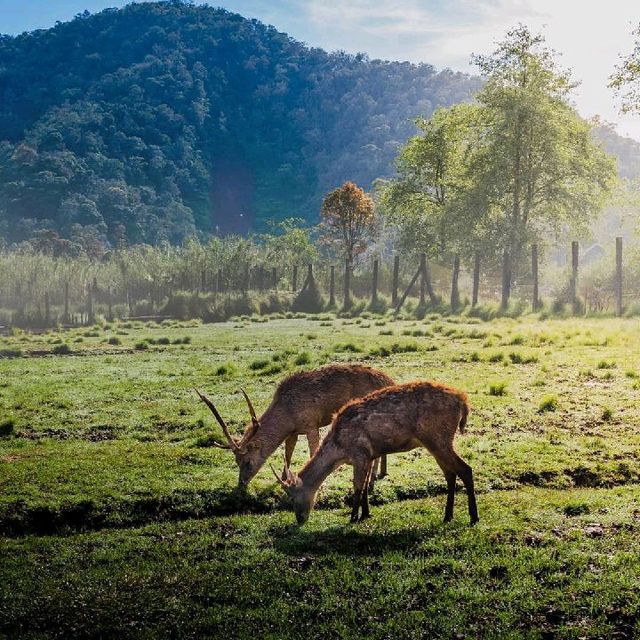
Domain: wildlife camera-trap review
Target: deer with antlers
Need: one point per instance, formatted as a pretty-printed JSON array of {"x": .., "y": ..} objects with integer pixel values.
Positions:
[
  {"x": 394, "y": 419},
  {"x": 302, "y": 403}
]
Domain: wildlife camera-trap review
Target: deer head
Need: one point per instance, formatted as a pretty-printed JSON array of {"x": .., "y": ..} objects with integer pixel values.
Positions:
[
  {"x": 302, "y": 497},
  {"x": 246, "y": 451}
]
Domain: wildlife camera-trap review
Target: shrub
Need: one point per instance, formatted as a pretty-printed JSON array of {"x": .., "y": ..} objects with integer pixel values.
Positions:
[
  {"x": 61, "y": 349},
  {"x": 303, "y": 358},
  {"x": 228, "y": 368},
  {"x": 607, "y": 414},
  {"x": 347, "y": 347},
  {"x": 6, "y": 427},
  {"x": 163, "y": 340},
  {"x": 141, "y": 346},
  {"x": 548, "y": 403},
  {"x": 256, "y": 365},
  {"x": 498, "y": 389},
  {"x": 114, "y": 340}
]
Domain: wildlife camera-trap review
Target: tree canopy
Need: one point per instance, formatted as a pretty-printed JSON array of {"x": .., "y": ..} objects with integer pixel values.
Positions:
[{"x": 518, "y": 166}]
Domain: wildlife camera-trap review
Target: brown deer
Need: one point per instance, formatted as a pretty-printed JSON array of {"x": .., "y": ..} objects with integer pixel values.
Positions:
[
  {"x": 398, "y": 418},
  {"x": 302, "y": 403}
]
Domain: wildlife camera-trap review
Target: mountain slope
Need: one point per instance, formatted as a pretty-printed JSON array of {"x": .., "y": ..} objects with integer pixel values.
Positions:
[{"x": 160, "y": 119}]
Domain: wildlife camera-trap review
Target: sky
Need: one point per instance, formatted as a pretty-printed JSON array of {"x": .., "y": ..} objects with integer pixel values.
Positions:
[{"x": 590, "y": 35}]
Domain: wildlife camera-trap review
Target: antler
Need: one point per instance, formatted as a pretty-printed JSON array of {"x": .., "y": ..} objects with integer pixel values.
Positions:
[
  {"x": 232, "y": 443},
  {"x": 252, "y": 411},
  {"x": 281, "y": 482}
]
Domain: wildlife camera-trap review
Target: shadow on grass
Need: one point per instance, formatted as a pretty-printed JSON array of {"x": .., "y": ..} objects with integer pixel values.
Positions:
[{"x": 349, "y": 540}]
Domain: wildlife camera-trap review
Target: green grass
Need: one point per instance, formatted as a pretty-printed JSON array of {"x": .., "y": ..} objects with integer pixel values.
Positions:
[{"x": 118, "y": 517}]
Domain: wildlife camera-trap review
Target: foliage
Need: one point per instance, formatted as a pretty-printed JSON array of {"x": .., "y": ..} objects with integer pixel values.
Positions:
[
  {"x": 424, "y": 200},
  {"x": 347, "y": 220},
  {"x": 625, "y": 81}
]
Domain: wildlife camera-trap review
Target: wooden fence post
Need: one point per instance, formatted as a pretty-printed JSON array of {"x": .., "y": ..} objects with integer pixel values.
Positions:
[
  {"x": 347, "y": 285},
  {"x": 332, "y": 287},
  {"x": 67, "y": 319},
  {"x": 455, "y": 294},
  {"x": 374, "y": 283},
  {"x": 90, "y": 316},
  {"x": 274, "y": 278},
  {"x": 476, "y": 279},
  {"x": 618, "y": 276},
  {"x": 535, "y": 303},
  {"x": 396, "y": 278},
  {"x": 294, "y": 279},
  {"x": 246, "y": 282},
  {"x": 573, "y": 285},
  {"x": 506, "y": 279},
  {"x": 423, "y": 278}
]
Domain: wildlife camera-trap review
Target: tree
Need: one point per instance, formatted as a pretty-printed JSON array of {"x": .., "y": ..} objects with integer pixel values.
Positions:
[
  {"x": 625, "y": 81},
  {"x": 538, "y": 171},
  {"x": 347, "y": 220},
  {"x": 423, "y": 201}
]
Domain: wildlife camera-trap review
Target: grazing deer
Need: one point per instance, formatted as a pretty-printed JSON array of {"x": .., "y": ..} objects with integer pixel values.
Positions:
[
  {"x": 302, "y": 403},
  {"x": 398, "y": 418}
]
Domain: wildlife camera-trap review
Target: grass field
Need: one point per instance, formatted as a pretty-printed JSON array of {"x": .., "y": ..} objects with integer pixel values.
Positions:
[{"x": 118, "y": 519}]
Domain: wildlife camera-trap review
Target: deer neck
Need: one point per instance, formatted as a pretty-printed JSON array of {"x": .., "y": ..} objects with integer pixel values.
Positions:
[
  {"x": 328, "y": 457},
  {"x": 276, "y": 427}
]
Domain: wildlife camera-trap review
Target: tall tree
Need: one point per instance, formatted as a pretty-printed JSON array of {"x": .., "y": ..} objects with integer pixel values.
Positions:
[
  {"x": 538, "y": 170},
  {"x": 424, "y": 200},
  {"x": 347, "y": 221}
]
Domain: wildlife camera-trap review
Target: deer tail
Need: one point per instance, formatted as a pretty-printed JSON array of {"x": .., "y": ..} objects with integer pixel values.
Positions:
[{"x": 464, "y": 412}]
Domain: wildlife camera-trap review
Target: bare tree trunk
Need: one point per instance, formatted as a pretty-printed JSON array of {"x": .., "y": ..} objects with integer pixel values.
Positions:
[
  {"x": 332, "y": 287},
  {"x": 619, "y": 276},
  {"x": 347, "y": 284},
  {"x": 574, "y": 277},
  {"x": 506, "y": 279},
  {"x": 476, "y": 279},
  {"x": 455, "y": 293},
  {"x": 374, "y": 283},
  {"x": 396, "y": 277}
]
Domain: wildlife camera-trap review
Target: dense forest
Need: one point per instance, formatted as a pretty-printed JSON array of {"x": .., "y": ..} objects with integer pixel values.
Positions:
[{"x": 158, "y": 120}]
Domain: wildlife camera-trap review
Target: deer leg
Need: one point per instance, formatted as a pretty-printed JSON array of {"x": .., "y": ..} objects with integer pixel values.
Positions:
[
  {"x": 365, "y": 492},
  {"x": 313, "y": 438},
  {"x": 289, "y": 446},
  {"x": 451, "y": 491},
  {"x": 464, "y": 471},
  {"x": 360, "y": 476},
  {"x": 373, "y": 474},
  {"x": 383, "y": 466}
]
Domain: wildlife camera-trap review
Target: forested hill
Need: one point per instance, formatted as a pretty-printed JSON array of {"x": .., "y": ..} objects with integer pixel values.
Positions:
[{"x": 158, "y": 119}]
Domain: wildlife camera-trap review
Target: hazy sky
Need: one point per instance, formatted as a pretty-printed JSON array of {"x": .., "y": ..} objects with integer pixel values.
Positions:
[{"x": 590, "y": 34}]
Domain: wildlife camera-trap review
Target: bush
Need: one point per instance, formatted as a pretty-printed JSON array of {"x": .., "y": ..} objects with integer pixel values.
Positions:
[
  {"x": 141, "y": 346},
  {"x": 548, "y": 403},
  {"x": 303, "y": 358},
  {"x": 61, "y": 349},
  {"x": 6, "y": 427},
  {"x": 498, "y": 389},
  {"x": 114, "y": 340},
  {"x": 256, "y": 365}
]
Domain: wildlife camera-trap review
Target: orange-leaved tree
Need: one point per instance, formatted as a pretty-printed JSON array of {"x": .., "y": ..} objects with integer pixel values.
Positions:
[{"x": 347, "y": 220}]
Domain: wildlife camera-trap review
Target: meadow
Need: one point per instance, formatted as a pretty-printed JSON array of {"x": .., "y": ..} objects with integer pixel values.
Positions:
[{"x": 119, "y": 519}]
